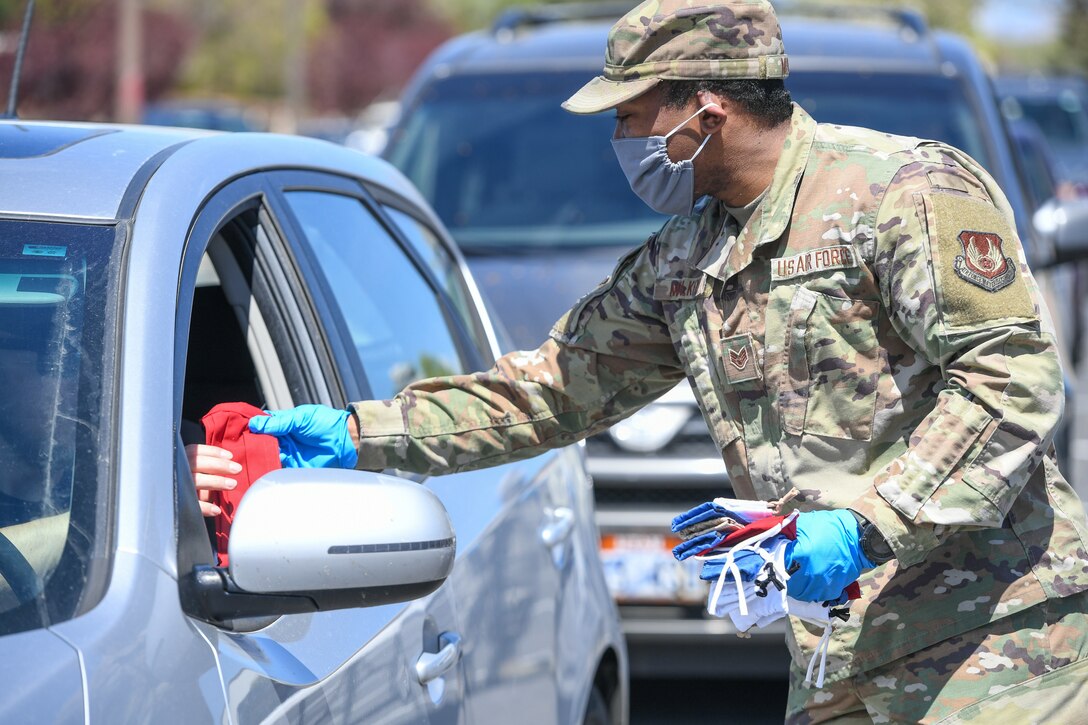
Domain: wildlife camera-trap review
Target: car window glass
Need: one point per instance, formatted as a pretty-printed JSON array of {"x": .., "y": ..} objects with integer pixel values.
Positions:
[
  {"x": 504, "y": 165},
  {"x": 393, "y": 315},
  {"x": 53, "y": 299},
  {"x": 1036, "y": 167},
  {"x": 1063, "y": 119},
  {"x": 445, "y": 269}
]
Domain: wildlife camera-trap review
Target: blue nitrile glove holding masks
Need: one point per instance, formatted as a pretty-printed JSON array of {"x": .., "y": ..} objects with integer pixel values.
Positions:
[
  {"x": 825, "y": 557},
  {"x": 310, "y": 436},
  {"x": 801, "y": 564}
]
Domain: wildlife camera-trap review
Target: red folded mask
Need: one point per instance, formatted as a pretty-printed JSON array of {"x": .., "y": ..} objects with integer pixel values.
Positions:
[{"x": 227, "y": 426}]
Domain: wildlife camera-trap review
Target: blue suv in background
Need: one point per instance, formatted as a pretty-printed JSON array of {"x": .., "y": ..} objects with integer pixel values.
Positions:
[
  {"x": 1059, "y": 107},
  {"x": 541, "y": 210}
]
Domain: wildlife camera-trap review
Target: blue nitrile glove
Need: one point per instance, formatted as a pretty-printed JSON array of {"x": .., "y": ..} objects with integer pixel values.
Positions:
[
  {"x": 311, "y": 436},
  {"x": 827, "y": 554}
]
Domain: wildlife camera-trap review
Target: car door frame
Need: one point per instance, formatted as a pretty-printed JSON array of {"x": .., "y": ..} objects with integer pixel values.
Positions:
[
  {"x": 527, "y": 489},
  {"x": 268, "y": 666},
  {"x": 358, "y": 388}
]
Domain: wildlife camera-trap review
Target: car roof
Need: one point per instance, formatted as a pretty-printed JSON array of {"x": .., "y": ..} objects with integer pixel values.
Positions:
[
  {"x": 1041, "y": 86},
  {"x": 888, "y": 41},
  {"x": 73, "y": 169},
  {"x": 96, "y": 171}
]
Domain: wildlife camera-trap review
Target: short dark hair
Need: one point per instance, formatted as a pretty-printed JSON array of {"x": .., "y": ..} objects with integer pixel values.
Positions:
[{"x": 767, "y": 101}]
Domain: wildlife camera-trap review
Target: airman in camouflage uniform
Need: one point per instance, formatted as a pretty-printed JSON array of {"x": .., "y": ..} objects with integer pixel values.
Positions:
[{"x": 871, "y": 336}]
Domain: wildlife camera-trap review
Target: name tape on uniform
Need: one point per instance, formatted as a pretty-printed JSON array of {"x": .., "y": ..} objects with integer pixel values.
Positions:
[
  {"x": 679, "y": 288},
  {"x": 813, "y": 260}
]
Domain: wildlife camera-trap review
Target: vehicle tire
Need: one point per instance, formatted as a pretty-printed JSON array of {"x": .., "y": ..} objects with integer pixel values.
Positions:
[{"x": 597, "y": 709}]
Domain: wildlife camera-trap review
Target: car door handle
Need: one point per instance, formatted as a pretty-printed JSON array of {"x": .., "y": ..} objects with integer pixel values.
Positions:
[
  {"x": 559, "y": 527},
  {"x": 432, "y": 665}
]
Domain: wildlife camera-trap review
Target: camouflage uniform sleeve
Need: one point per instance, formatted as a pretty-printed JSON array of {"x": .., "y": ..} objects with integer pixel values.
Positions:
[
  {"x": 958, "y": 290},
  {"x": 607, "y": 357}
]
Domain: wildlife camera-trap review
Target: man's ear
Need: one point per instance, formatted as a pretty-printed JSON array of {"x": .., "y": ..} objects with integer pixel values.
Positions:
[{"x": 712, "y": 119}]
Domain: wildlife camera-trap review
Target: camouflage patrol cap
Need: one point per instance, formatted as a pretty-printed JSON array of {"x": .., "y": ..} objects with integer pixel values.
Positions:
[{"x": 684, "y": 40}]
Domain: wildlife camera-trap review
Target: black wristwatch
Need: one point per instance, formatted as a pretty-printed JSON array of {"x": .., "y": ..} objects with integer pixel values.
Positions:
[{"x": 873, "y": 544}]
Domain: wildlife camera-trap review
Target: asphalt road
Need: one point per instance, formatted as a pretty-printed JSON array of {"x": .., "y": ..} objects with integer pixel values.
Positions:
[{"x": 701, "y": 702}]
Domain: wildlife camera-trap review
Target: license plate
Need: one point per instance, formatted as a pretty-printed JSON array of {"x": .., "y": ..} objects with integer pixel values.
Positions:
[{"x": 640, "y": 569}]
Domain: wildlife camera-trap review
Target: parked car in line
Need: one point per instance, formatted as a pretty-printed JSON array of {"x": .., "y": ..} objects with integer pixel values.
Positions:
[
  {"x": 539, "y": 206},
  {"x": 147, "y": 274},
  {"x": 1038, "y": 160},
  {"x": 210, "y": 115},
  {"x": 1058, "y": 105}
]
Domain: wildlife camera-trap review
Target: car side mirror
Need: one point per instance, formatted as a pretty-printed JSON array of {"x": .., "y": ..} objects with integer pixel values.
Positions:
[
  {"x": 309, "y": 539},
  {"x": 1064, "y": 225}
]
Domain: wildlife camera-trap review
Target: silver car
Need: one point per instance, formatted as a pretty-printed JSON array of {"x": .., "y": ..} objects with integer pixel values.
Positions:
[{"x": 148, "y": 274}]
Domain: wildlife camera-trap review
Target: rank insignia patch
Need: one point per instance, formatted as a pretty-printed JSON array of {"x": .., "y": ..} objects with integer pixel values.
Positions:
[
  {"x": 983, "y": 262},
  {"x": 739, "y": 358},
  {"x": 740, "y": 363}
]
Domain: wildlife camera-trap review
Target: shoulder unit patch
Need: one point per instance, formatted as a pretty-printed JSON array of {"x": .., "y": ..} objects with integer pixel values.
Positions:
[
  {"x": 983, "y": 262},
  {"x": 975, "y": 256}
]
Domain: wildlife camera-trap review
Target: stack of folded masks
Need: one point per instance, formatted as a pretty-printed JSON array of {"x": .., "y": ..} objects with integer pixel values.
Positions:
[{"x": 747, "y": 543}]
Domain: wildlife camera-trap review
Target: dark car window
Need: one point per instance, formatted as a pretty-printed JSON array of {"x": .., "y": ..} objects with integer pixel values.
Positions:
[
  {"x": 431, "y": 250},
  {"x": 929, "y": 107},
  {"x": 394, "y": 317},
  {"x": 1035, "y": 162},
  {"x": 1062, "y": 117},
  {"x": 505, "y": 166},
  {"x": 53, "y": 299}
]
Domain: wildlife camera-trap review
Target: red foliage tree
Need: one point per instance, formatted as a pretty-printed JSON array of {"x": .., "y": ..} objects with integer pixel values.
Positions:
[
  {"x": 70, "y": 68},
  {"x": 368, "y": 50}
]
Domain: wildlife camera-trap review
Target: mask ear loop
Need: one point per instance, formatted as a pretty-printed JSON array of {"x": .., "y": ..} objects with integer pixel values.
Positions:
[
  {"x": 682, "y": 123},
  {"x": 730, "y": 566},
  {"x": 820, "y": 654}
]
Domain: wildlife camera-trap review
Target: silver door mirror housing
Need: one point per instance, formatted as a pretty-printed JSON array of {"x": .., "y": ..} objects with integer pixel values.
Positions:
[
  {"x": 308, "y": 530},
  {"x": 1064, "y": 224},
  {"x": 316, "y": 539}
]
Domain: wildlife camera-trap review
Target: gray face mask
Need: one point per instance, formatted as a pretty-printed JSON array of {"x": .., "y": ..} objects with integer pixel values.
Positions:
[{"x": 666, "y": 186}]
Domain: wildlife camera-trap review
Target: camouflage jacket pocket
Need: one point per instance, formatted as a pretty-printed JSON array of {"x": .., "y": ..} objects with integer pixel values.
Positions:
[
  {"x": 693, "y": 350},
  {"x": 834, "y": 366}
]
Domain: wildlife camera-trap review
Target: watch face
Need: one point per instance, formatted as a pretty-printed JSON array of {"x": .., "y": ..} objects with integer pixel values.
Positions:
[{"x": 874, "y": 546}]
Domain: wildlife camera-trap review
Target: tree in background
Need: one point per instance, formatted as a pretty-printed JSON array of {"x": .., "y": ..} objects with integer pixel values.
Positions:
[
  {"x": 241, "y": 45},
  {"x": 69, "y": 71},
  {"x": 350, "y": 52},
  {"x": 369, "y": 49},
  {"x": 1074, "y": 48},
  {"x": 955, "y": 15},
  {"x": 353, "y": 51}
]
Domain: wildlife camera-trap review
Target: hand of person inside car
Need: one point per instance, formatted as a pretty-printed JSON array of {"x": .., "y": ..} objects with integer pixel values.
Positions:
[
  {"x": 311, "y": 436},
  {"x": 212, "y": 469}
]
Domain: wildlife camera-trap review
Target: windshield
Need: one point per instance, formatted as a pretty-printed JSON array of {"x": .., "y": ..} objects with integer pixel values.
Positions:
[
  {"x": 929, "y": 107},
  {"x": 53, "y": 280},
  {"x": 504, "y": 165}
]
